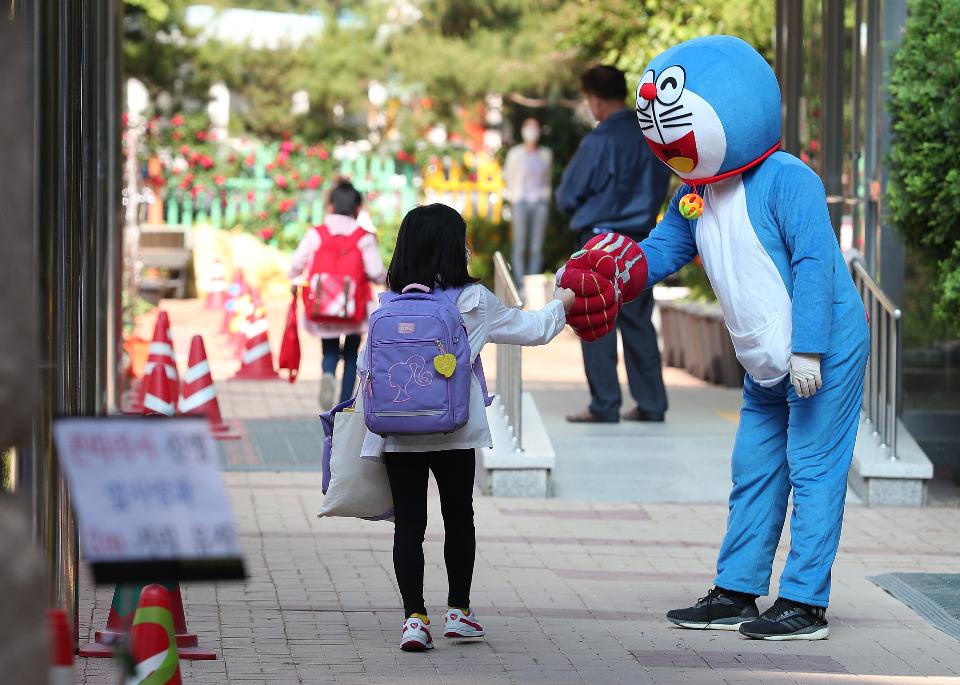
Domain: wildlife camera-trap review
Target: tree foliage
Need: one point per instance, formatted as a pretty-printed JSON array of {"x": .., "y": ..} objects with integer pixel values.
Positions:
[{"x": 924, "y": 189}]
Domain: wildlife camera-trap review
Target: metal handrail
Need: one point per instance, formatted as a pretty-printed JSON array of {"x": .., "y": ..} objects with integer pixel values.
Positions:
[
  {"x": 509, "y": 379},
  {"x": 881, "y": 393}
]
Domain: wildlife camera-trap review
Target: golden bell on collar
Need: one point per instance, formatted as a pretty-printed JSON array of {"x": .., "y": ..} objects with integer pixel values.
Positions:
[{"x": 691, "y": 206}]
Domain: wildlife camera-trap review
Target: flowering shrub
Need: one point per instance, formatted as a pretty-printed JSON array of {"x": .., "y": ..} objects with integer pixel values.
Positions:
[{"x": 271, "y": 189}]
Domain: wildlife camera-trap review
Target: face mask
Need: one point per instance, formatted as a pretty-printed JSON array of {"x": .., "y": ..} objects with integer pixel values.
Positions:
[{"x": 530, "y": 134}]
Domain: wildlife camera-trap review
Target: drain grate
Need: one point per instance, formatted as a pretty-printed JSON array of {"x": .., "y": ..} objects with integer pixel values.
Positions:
[{"x": 934, "y": 596}]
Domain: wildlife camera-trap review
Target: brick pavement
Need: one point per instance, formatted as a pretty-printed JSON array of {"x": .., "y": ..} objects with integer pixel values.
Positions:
[
  {"x": 569, "y": 591},
  {"x": 564, "y": 600}
]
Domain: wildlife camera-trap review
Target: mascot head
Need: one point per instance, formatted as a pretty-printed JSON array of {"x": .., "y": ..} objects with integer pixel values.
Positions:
[{"x": 710, "y": 108}]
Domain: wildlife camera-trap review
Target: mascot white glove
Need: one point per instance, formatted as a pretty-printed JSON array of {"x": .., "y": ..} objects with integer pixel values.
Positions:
[{"x": 805, "y": 374}]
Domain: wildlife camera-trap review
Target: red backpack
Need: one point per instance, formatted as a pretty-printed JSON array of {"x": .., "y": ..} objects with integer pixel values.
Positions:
[{"x": 337, "y": 289}]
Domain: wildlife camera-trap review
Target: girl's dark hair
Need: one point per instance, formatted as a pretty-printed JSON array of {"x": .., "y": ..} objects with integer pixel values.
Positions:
[
  {"x": 431, "y": 249},
  {"x": 344, "y": 198}
]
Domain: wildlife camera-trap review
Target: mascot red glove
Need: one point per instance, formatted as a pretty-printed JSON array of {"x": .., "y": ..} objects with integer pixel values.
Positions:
[{"x": 609, "y": 271}]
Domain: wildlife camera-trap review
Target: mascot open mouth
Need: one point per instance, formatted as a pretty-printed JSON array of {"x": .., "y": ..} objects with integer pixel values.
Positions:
[{"x": 680, "y": 154}]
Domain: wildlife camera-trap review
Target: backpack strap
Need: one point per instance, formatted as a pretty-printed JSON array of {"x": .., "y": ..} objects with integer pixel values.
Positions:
[
  {"x": 453, "y": 294},
  {"x": 357, "y": 236}
]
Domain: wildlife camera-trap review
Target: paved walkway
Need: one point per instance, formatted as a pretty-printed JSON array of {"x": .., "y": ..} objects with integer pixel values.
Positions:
[{"x": 571, "y": 590}]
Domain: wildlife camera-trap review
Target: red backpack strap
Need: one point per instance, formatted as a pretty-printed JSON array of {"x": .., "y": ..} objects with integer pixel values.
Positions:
[
  {"x": 323, "y": 231},
  {"x": 358, "y": 235}
]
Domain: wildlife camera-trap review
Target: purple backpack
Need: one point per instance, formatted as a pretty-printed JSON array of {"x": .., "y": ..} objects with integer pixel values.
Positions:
[{"x": 418, "y": 364}]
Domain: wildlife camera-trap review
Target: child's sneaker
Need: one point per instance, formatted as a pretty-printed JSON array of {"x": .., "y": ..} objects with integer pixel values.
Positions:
[
  {"x": 460, "y": 624},
  {"x": 416, "y": 635}
]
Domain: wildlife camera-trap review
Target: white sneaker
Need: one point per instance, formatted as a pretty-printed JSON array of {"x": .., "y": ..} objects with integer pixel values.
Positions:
[
  {"x": 460, "y": 624},
  {"x": 416, "y": 636},
  {"x": 328, "y": 386}
]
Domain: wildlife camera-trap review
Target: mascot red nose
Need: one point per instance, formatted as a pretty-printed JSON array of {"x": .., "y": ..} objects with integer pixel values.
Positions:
[{"x": 608, "y": 272}]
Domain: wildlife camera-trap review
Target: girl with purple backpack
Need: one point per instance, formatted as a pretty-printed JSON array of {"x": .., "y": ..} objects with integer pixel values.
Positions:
[{"x": 405, "y": 366}]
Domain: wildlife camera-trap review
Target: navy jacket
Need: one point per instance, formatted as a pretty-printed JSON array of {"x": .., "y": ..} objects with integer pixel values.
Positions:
[{"x": 614, "y": 181}]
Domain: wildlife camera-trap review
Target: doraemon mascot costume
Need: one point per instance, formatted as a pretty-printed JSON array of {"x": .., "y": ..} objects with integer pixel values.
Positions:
[{"x": 710, "y": 109}]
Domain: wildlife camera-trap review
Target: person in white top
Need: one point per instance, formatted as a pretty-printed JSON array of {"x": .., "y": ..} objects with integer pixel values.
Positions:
[
  {"x": 527, "y": 174},
  {"x": 431, "y": 248},
  {"x": 338, "y": 340}
]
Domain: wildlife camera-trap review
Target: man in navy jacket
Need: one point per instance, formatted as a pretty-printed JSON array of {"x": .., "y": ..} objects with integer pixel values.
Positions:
[{"x": 614, "y": 183}]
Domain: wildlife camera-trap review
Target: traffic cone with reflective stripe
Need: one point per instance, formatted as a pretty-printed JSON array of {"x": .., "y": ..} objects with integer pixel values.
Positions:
[
  {"x": 161, "y": 355},
  {"x": 216, "y": 286},
  {"x": 199, "y": 394},
  {"x": 157, "y": 400},
  {"x": 61, "y": 648},
  {"x": 120, "y": 621},
  {"x": 257, "y": 361},
  {"x": 152, "y": 643}
]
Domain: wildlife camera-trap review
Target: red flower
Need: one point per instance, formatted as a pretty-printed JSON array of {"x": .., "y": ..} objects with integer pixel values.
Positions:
[
  {"x": 282, "y": 159},
  {"x": 176, "y": 135},
  {"x": 232, "y": 158},
  {"x": 196, "y": 190},
  {"x": 251, "y": 195},
  {"x": 261, "y": 215},
  {"x": 286, "y": 147},
  {"x": 315, "y": 181},
  {"x": 302, "y": 185},
  {"x": 124, "y": 118},
  {"x": 286, "y": 135},
  {"x": 176, "y": 120},
  {"x": 295, "y": 175},
  {"x": 219, "y": 180},
  {"x": 201, "y": 135},
  {"x": 184, "y": 150},
  {"x": 286, "y": 205},
  {"x": 175, "y": 171},
  {"x": 206, "y": 162},
  {"x": 251, "y": 159},
  {"x": 188, "y": 178},
  {"x": 185, "y": 183},
  {"x": 270, "y": 166},
  {"x": 266, "y": 234},
  {"x": 323, "y": 154},
  {"x": 280, "y": 180}
]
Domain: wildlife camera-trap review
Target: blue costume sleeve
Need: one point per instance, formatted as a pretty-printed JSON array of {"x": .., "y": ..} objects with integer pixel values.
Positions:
[
  {"x": 799, "y": 204},
  {"x": 670, "y": 244},
  {"x": 584, "y": 175}
]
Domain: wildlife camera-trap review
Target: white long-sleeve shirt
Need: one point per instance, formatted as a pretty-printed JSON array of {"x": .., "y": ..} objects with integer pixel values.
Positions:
[
  {"x": 338, "y": 224},
  {"x": 487, "y": 319}
]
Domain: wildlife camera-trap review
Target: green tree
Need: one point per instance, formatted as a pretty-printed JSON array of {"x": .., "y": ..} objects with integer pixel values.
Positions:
[
  {"x": 158, "y": 48},
  {"x": 924, "y": 189}
]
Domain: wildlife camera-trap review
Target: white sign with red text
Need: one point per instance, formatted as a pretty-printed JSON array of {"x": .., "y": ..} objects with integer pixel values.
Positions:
[{"x": 146, "y": 489}]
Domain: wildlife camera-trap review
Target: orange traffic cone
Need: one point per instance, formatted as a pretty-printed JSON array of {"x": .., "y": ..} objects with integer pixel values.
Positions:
[
  {"x": 257, "y": 361},
  {"x": 161, "y": 355},
  {"x": 121, "y": 617},
  {"x": 216, "y": 286},
  {"x": 61, "y": 648},
  {"x": 157, "y": 399},
  {"x": 152, "y": 643},
  {"x": 200, "y": 394}
]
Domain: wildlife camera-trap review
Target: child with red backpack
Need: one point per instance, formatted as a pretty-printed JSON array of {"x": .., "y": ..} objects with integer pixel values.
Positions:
[
  {"x": 423, "y": 395},
  {"x": 341, "y": 259}
]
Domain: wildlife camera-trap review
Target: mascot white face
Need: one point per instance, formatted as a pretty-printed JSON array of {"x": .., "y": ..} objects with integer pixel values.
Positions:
[
  {"x": 709, "y": 107},
  {"x": 673, "y": 118}
]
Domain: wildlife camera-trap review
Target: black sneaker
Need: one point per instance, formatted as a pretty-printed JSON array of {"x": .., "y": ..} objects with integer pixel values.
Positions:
[
  {"x": 719, "y": 610},
  {"x": 788, "y": 620}
]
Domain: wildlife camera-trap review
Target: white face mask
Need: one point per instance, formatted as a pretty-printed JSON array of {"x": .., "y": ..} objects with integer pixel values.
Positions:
[{"x": 530, "y": 134}]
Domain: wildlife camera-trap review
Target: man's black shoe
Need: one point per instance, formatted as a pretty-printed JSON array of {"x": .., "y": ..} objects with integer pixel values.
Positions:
[
  {"x": 637, "y": 414},
  {"x": 719, "y": 610},
  {"x": 788, "y": 620}
]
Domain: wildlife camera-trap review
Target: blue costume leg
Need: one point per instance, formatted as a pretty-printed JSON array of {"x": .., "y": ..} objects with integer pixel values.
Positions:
[
  {"x": 758, "y": 500},
  {"x": 820, "y": 440}
]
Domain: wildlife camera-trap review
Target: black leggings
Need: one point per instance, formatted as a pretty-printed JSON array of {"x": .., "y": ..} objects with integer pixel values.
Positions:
[{"x": 454, "y": 472}]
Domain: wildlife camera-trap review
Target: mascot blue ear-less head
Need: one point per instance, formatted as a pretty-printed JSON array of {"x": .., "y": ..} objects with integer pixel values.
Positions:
[{"x": 710, "y": 108}]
